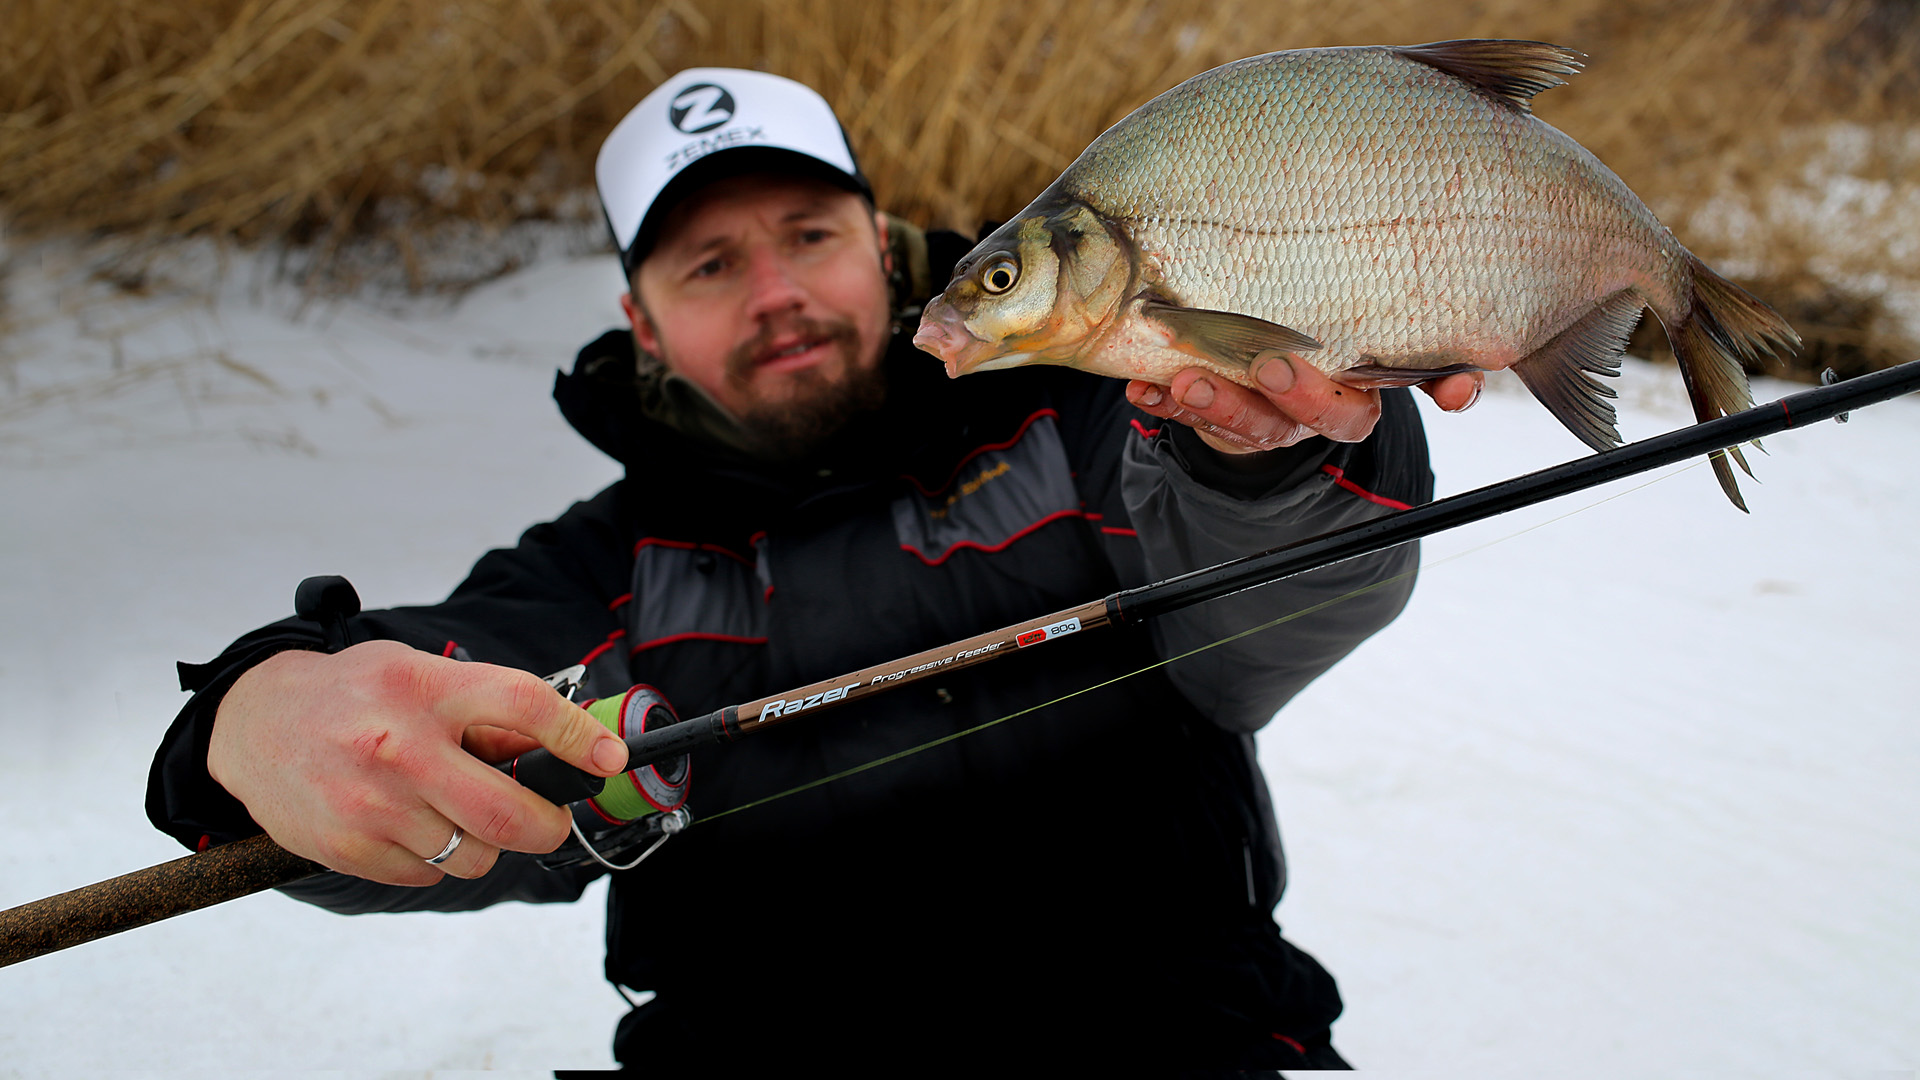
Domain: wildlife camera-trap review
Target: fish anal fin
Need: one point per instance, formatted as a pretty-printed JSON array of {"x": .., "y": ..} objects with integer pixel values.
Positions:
[
  {"x": 1229, "y": 339},
  {"x": 1511, "y": 71},
  {"x": 1376, "y": 376},
  {"x": 1560, "y": 373}
]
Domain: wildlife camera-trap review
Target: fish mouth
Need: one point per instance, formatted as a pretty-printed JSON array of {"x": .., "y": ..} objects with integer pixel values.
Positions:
[{"x": 943, "y": 332}]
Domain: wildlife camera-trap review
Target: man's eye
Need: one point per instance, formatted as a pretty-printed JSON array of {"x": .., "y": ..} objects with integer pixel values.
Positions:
[{"x": 709, "y": 268}]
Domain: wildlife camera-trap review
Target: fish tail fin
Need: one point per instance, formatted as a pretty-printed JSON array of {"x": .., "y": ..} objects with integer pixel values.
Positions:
[{"x": 1724, "y": 326}]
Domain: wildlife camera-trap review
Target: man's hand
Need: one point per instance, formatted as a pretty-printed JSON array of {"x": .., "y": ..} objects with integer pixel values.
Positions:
[
  {"x": 364, "y": 760},
  {"x": 1295, "y": 402}
]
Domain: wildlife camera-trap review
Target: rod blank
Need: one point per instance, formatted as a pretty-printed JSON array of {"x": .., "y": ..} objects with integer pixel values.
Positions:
[{"x": 248, "y": 866}]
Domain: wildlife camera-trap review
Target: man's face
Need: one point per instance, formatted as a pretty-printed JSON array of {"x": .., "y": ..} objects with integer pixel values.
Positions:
[{"x": 770, "y": 293}]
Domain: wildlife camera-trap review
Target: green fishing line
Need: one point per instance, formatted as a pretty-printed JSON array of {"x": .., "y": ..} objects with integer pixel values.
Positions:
[{"x": 1321, "y": 606}]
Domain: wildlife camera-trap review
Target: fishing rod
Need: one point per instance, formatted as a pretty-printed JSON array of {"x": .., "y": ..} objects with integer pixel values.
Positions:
[
  {"x": 557, "y": 780},
  {"x": 238, "y": 869}
]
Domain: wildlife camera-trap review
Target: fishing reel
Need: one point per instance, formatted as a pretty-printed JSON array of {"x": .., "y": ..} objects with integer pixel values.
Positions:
[{"x": 636, "y": 810}]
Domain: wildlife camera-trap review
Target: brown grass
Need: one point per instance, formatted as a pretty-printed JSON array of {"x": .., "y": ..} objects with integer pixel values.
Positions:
[{"x": 333, "y": 122}]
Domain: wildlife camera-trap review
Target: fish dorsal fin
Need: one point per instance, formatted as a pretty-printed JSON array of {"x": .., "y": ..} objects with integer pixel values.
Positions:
[{"x": 1512, "y": 71}]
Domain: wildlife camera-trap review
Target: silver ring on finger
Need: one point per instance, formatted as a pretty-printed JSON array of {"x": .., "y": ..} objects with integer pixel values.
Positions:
[{"x": 453, "y": 845}]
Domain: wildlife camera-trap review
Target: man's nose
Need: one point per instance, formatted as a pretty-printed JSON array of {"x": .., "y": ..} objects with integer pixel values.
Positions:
[{"x": 772, "y": 285}]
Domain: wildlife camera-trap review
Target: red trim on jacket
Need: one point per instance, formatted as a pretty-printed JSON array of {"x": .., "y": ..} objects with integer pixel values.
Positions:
[
  {"x": 977, "y": 451},
  {"x": 688, "y": 545},
  {"x": 614, "y": 604},
  {"x": 1110, "y": 530},
  {"x": 1145, "y": 431},
  {"x": 602, "y": 647},
  {"x": 1001, "y": 546},
  {"x": 1340, "y": 477},
  {"x": 696, "y": 635},
  {"x": 448, "y": 651}
]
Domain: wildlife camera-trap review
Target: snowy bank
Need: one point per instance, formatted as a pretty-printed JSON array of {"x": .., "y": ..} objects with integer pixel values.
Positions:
[{"x": 1631, "y": 785}]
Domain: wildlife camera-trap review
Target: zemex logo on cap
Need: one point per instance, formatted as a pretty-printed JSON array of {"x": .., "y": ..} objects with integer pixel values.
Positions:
[{"x": 701, "y": 107}]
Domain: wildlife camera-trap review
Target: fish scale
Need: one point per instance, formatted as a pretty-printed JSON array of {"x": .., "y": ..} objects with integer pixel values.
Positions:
[
  {"x": 1390, "y": 214},
  {"x": 1338, "y": 258}
]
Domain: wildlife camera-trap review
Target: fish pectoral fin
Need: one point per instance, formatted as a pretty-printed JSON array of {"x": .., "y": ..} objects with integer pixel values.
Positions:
[
  {"x": 1224, "y": 337},
  {"x": 1511, "y": 71},
  {"x": 1560, "y": 373}
]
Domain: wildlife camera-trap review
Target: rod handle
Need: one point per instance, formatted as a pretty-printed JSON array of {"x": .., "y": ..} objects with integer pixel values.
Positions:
[
  {"x": 551, "y": 778},
  {"x": 159, "y": 892},
  {"x": 560, "y": 783},
  {"x": 676, "y": 740}
]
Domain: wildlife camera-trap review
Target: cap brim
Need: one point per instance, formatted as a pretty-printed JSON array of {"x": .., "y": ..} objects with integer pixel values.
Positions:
[{"x": 729, "y": 163}]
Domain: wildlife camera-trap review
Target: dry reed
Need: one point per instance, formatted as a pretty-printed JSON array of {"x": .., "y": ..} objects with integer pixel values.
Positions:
[{"x": 319, "y": 123}]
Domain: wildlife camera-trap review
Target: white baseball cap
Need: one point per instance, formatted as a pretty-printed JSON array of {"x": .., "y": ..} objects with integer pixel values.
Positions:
[{"x": 707, "y": 123}]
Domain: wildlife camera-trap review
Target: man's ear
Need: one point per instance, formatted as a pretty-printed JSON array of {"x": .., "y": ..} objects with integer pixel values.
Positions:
[
  {"x": 644, "y": 334},
  {"x": 886, "y": 243}
]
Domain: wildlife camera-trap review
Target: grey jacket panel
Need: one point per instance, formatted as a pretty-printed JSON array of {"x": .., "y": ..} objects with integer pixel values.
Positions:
[
  {"x": 1182, "y": 522},
  {"x": 1185, "y": 525}
]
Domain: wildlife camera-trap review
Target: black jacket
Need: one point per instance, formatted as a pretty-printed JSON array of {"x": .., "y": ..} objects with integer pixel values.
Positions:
[{"x": 1097, "y": 872}]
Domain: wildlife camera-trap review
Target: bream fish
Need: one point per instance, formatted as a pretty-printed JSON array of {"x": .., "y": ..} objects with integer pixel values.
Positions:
[{"x": 1392, "y": 214}]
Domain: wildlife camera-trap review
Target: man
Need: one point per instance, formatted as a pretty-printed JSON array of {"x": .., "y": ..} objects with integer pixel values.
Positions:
[{"x": 1088, "y": 885}]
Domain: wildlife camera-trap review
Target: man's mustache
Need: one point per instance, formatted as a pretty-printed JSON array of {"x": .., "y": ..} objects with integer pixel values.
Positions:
[{"x": 745, "y": 357}]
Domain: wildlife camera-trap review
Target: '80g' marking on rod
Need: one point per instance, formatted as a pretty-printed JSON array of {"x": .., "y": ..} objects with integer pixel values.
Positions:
[{"x": 1048, "y": 632}]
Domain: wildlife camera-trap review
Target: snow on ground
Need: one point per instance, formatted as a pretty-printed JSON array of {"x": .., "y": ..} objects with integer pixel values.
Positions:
[{"x": 1630, "y": 787}]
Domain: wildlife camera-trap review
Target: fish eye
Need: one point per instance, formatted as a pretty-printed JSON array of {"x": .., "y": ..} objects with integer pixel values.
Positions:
[{"x": 1000, "y": 275}]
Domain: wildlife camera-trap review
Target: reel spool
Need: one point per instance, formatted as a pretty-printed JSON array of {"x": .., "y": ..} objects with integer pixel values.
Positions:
[
  {"x": 638, "y": 809},
  {"x": 659, "y": 788}
]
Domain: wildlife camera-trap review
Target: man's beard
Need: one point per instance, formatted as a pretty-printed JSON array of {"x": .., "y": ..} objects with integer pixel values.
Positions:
[{"x": 819, "y": 405}]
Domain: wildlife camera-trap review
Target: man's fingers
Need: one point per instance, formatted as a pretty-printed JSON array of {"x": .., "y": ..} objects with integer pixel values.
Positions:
[
  {"x": 495, "y": 745},
  {"x": 1233, "y": 412},
  {"x": 493, "y": 808},
  {"x": 485, "y": 695},
  {"x": 428, "y": 834},
  {"x": 356, "y": 761},
  {"x": 1294, "y": 401},
  {"x": 1152, "y": 398},
  {"x": 1456, "y": 393},
  {"x": 1227, "y": 413},
  {"x": 366, "y": 856},
  {"x": 1300, "y": 391}
]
